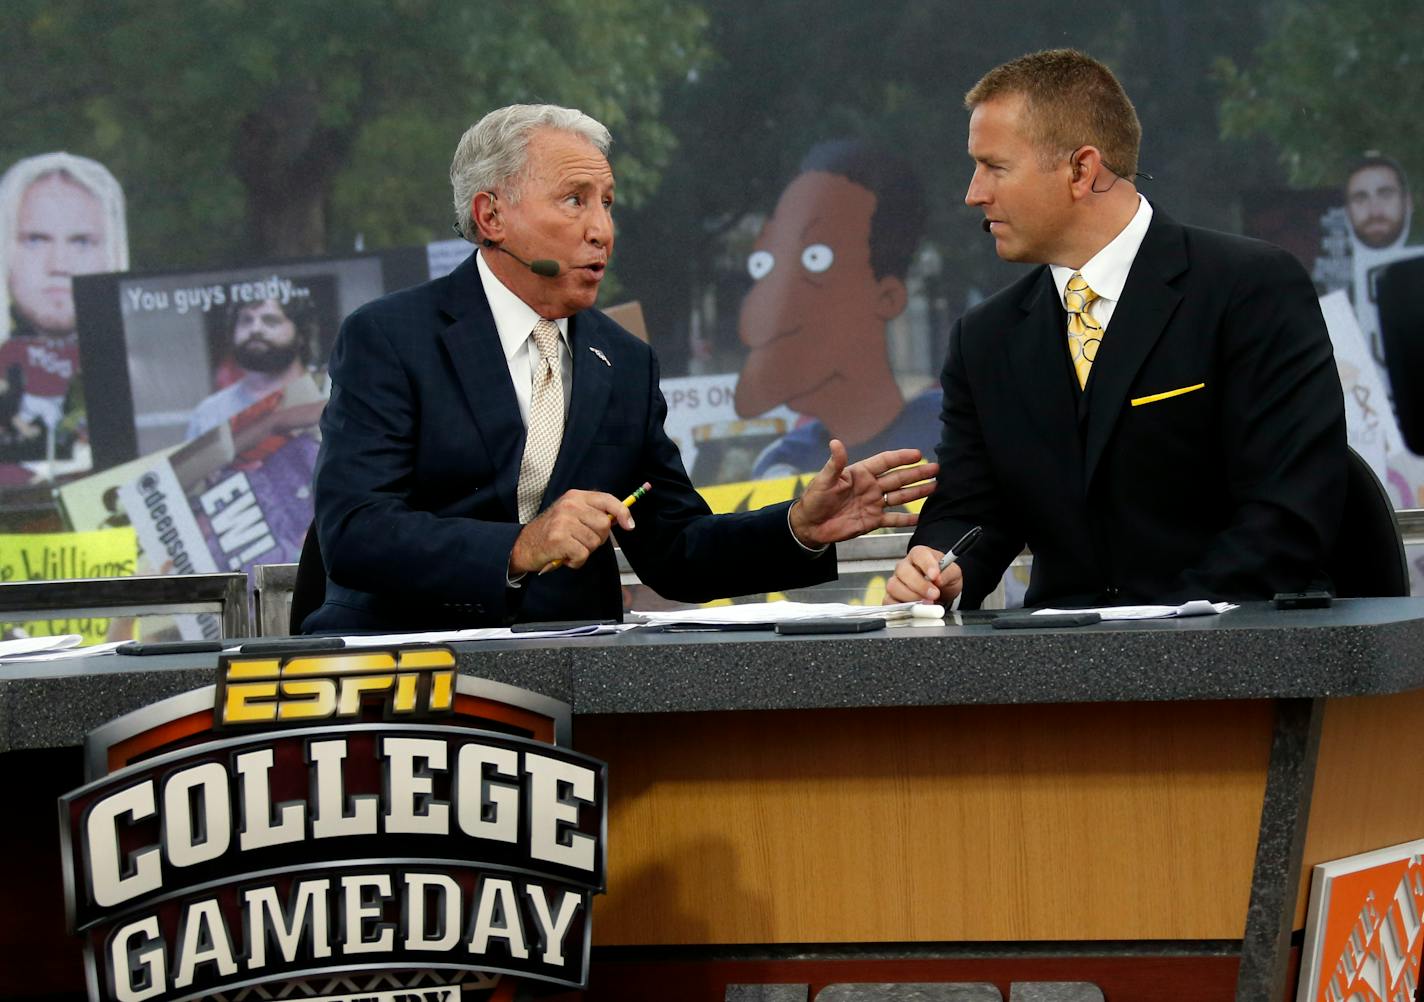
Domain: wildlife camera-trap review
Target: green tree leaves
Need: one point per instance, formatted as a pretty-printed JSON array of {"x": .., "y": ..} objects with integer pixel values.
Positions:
[{"x": 249, "y": 128}]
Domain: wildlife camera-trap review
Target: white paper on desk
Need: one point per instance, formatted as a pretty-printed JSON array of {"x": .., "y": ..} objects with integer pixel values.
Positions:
[
  {"x": 771, "y": 613},
  {"x": 74, "y": 653},
  {"x": 29, "y": 646},
  {"x": 1196, "y": 607},
  {"x": 488, "y": 633}
]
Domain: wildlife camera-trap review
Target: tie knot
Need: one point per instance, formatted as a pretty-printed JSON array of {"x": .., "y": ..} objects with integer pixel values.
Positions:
[
  {"x": 1077, "y": 295},
  {"x": 546, "y": 339}
]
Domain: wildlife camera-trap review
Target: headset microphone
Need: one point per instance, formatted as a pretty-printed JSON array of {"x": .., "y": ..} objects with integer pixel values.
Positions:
[
  {"x": 539, "y": 266},
  {"x": 988, "y": 228}
]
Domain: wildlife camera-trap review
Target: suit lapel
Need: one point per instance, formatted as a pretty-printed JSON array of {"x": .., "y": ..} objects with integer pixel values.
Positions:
[
  {"x": 1041, "y": 380},
  {"x": 593, "y": 381},
  {"x": 1138, "y": 320},
  {"x": 483, "y": 372}
]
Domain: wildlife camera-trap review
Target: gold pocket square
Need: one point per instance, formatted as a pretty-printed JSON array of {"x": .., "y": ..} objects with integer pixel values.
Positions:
[{"x": 1139, "y": 401}]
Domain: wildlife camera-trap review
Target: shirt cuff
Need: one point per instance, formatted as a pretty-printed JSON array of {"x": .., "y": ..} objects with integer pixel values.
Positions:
[{"x": 814, "y": 551}]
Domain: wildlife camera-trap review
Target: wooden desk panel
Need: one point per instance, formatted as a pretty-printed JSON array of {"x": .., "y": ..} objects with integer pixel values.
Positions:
[
  {"x": 1369, "y": 781},
  {"x": 1098, "y": 821}
]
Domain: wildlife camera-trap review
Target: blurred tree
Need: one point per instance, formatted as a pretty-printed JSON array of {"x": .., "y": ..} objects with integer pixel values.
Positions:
[
  {"x": 1333, "y": 80},
  {"x": 255, "y": 128}
]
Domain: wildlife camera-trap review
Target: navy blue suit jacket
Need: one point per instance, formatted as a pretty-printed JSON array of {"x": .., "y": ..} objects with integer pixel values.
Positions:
[
  {"x": 1128, "y": 492},
  {"x": 421, "y": 445}
]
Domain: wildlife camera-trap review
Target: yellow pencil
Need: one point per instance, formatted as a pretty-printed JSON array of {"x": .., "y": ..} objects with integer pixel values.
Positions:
[{"x": 627, "y": 503}]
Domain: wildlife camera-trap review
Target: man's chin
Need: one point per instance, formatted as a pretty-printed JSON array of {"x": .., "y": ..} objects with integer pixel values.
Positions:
[
  {"x": 55, "y": 324},
  {"x": 818, "y": 401},
  {"x": 1012, "y": 253},
  {"x": 577, "y": 304},
  {"x": 1378, "y": 240}
]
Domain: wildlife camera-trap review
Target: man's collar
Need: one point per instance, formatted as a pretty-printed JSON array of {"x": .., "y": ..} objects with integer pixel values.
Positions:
[
  {"x": 1106, "y": 271},
  {"x": 514, "y": 319}
]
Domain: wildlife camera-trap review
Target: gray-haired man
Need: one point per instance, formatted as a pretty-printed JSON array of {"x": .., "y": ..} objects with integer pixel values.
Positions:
[{"x": 482, "y": 427}]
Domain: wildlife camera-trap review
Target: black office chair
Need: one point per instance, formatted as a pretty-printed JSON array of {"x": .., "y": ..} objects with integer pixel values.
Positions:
[
  {"x": 309, "y": 588},
  {"x": 1401, "y": 318},
  {"x": 1368, "y": 560}
]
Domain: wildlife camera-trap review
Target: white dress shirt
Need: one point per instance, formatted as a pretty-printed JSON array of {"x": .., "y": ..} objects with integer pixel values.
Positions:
[
  {"x": 515, "y": 320},
  {"x": 1106, "y": 271}
]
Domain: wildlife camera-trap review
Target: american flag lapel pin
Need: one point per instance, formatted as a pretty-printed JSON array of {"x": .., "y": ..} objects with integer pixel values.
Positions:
[{"x": 601, "y": 356}]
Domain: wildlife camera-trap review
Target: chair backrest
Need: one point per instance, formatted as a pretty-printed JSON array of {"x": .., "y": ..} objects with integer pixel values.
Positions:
[
  {"x": 309, "y": 588},
  {"x": 1401, "y": 320},
  {"x": 1368, "y": 560},
  {"x": 272, "y": 586}
]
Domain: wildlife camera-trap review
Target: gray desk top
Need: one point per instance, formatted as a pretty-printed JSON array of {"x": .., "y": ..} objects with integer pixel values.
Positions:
[{"x": 1358, "y": 647}]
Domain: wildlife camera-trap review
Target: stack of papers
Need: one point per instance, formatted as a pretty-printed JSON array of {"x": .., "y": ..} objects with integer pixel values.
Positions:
[
  {"x": 71, "y": 653},
  {"x": 1197, "y": 607},
  {"x": 488, "y": 633},
  {"x": 765, "y": 615},
  {"x": 29, "y": 646}
]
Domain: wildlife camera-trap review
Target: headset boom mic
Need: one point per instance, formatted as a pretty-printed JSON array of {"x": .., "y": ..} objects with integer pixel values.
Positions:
[{"x": 540, "y": 266}]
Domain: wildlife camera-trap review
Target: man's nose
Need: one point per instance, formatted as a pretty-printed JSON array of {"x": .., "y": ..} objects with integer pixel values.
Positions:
[
  {"x": 600, "y": 228},
  {"x": 976, "y": 194},
  {"x": 59, "y": 260},
  {"x": 771, "y": 308}
]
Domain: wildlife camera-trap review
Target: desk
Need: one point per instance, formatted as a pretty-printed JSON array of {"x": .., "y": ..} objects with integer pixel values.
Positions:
[{"x": 1117, "y": 790}]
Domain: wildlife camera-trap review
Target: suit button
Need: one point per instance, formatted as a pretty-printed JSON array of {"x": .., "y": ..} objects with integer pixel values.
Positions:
[{"x": 1111, "y": 594}]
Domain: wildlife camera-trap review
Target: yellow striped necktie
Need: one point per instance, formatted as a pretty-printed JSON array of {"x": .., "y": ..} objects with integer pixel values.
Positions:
[{"x": 1084, "y": 333}]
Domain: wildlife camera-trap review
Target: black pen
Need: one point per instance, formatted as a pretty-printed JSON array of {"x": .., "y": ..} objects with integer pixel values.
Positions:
[{"x": 959, "y": 549}]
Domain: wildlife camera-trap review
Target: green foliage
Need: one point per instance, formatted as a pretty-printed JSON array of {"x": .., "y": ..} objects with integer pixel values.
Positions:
[
  {"x": 254, "y": 127},
  {"x": 1333, "y": 80}
]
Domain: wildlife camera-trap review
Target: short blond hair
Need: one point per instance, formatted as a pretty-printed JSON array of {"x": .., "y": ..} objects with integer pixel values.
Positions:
[
  {"x": 87, "y": 174},
  {"x": 1070, "y": 100}
]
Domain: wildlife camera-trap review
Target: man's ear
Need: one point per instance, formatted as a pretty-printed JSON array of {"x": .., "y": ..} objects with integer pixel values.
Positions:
[
  {"x": 891, "y": 296},
  {"x": 484, "y": 211},
  {"x": 1085, "y": 167}
]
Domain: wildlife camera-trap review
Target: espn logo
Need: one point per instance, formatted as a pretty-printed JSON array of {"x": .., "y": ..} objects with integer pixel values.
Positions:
[{"x": 305, "y": 688}]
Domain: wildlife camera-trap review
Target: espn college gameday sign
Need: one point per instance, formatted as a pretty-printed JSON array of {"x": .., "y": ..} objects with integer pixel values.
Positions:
[{"x": 364, "y": 824}]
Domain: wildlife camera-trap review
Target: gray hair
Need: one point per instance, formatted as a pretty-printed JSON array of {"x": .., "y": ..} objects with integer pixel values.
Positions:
[{"x": 495, "y": 152}]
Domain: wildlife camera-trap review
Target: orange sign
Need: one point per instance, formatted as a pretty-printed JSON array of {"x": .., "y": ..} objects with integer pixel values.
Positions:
[{"x": 1363, "y": 941}]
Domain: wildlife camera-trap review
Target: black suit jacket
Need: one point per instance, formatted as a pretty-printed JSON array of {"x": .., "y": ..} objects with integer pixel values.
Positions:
[
  {"x": 421, "y": 445},
  {"x": 1230, "y": 491}
]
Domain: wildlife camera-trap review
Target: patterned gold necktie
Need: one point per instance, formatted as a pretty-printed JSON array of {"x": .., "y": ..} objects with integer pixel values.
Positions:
[
  {"x": 546, "y": 421},
  {"x": 1084, "y": 333}
]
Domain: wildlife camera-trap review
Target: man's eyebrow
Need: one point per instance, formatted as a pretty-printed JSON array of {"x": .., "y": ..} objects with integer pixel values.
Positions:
[
  {"x": 584, "y": 184},
  {"x": 810, "y": 224}
]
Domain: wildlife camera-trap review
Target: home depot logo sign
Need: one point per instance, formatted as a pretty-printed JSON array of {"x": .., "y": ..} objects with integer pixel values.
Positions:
[
  {"x": 1371, "y": 944},
  {"x": 1379, "y": 960},
  {"x": 352, "y": 839}
]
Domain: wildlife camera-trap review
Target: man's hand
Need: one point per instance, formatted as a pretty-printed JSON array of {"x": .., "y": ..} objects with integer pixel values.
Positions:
[
  {"x": 570, "y": 530},
  {"x": 843, "y": 502},
  {"x": 917, "y": 578}
]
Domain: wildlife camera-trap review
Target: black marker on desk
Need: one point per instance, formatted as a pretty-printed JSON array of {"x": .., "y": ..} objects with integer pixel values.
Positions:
[{"x": 959, "y": 549}]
